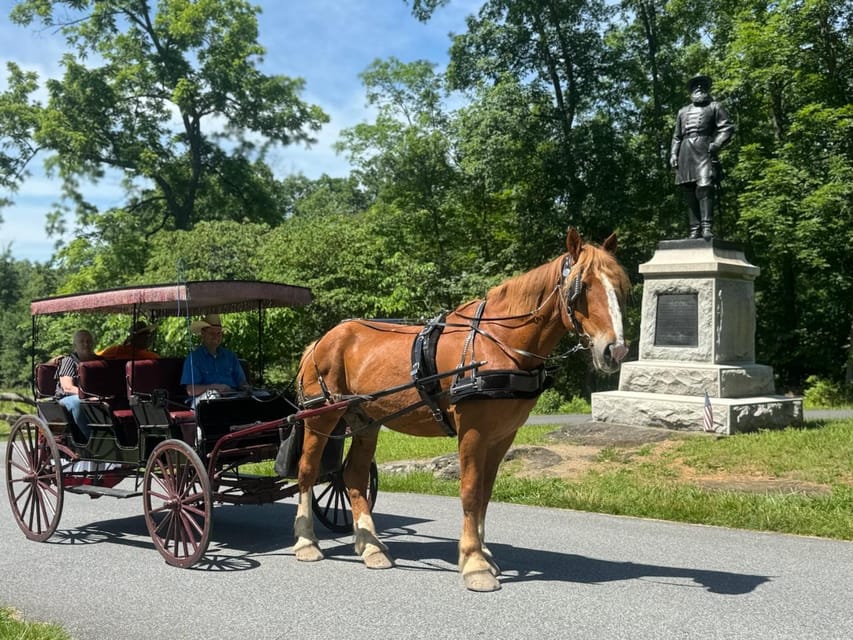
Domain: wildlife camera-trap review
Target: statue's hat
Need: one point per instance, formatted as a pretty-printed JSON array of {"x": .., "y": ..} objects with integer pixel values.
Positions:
[{"x": 705, "y": 81}]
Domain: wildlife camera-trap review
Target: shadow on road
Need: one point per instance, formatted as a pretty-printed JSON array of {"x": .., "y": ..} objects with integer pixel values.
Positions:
[
  {"x": 519, "y": 564},
  {"x": 244, "y": 534}
]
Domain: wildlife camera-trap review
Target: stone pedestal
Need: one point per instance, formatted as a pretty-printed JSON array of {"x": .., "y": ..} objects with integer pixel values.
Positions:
[{"x": 697, "y": 337}]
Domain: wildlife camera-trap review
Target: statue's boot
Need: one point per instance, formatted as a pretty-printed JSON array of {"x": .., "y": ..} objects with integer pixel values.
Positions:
[
  {"x": 692, "y": 212},
  {"x": 706, "y": 210}
]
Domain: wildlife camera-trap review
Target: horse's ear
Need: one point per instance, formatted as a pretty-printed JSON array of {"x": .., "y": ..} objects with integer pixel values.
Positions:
[
  {"x": 573, "y": 243},
  {"x": 610, "y": 244}
]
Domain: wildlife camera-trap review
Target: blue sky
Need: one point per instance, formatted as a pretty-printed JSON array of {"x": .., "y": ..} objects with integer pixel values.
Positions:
[{"x": 326, "y": 42}]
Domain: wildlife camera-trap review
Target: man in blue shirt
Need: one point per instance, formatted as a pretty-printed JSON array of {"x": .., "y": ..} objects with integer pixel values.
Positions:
[{"x": 210, "y": 366}]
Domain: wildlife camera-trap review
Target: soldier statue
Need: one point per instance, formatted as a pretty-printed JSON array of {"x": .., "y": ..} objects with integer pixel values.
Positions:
[{"x": 701, "y": 129}]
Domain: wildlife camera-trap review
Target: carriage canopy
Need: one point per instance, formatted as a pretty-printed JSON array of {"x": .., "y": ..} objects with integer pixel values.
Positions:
[{"x": 189, "y": 298}]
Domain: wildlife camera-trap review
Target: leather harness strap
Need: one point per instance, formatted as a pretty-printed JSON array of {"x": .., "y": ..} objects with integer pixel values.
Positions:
[{"x": 423, "y": 366}]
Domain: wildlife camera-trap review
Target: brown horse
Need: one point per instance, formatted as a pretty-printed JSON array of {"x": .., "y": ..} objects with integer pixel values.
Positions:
[{"x": 508, "y": 335}]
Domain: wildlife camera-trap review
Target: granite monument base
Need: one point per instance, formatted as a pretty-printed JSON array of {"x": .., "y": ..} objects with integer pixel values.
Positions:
[
  {"x": 697, "y": 338},
  {"x": 686, "y": 413}
]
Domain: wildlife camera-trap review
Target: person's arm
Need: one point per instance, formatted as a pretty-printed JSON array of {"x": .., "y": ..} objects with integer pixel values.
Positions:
[
  {"x": 65, "y": 375},
  {"x": 67, "y": 385},
  {"x": 677, "y": 135},
  {"x": 189, "y": 376},
  {"x": 725, "y": 129},
  {"x": 198, "y": 389},
  {"x": 242, "y": 382}
]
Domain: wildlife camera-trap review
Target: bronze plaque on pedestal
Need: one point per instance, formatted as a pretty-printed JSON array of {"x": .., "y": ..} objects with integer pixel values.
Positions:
[{"x": 677, "y": 322}]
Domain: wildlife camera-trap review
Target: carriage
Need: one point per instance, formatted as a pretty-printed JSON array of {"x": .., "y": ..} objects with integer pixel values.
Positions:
[
  {"x": 146, "y": 441},
  {"x": 473, "y": 373}
]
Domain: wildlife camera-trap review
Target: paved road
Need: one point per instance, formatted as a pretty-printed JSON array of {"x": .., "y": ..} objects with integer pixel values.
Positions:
[{"x": 567, "y": 574}]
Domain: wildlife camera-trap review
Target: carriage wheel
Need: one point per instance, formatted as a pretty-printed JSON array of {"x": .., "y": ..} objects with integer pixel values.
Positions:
[
  {"x": 330, "y": 502},
  {"x": 34, "y": 478},
  {"x": 178, "y": 503}
]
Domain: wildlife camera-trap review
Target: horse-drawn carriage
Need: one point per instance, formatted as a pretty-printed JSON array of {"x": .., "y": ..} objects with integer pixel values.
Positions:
[
  {"x": 146, "y": 441},
  {"x": 473, "y": 373}
]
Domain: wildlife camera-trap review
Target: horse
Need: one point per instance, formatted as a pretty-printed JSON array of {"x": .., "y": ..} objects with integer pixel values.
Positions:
[{"x": 502, "y": 340}]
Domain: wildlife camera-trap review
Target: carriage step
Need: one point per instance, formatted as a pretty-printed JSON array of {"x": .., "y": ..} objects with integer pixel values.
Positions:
[{"x": 95, "y": 491}]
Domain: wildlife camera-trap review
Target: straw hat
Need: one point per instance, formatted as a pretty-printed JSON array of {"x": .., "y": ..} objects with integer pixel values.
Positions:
[
  {"x": 141, "y": 327},
  {"x": 210, "y": 320}
]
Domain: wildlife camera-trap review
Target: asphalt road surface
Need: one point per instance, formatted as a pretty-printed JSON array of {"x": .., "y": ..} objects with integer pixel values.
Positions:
[{"x": 566, "y": 574}]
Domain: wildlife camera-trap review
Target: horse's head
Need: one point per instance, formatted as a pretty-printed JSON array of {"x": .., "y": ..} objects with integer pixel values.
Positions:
[{"x": 594, "y": 289}]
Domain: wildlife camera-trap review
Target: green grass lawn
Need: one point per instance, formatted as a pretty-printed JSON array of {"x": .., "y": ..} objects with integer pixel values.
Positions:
[
  {"x": 12, "y": 627},
  {"x": 634, "y": 482}
]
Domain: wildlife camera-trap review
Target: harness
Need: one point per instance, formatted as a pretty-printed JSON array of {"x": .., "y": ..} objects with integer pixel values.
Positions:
[
  {"x": 470, "y": 382},
  {"x": 424, "y": 371}
]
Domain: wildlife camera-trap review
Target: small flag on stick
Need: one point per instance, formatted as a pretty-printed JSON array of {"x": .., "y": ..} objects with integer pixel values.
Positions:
[{"x": 708, "y": 415}]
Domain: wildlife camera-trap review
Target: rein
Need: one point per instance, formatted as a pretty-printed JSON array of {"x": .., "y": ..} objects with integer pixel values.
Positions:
[
  {"x": 573, "y": 289},
  {"x": 462, "y": 385}
]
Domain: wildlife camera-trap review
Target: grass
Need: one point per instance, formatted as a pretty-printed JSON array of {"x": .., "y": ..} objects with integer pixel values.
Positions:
[
  {"x": 13, "y": 408},
  {"x": 12, "y": 627},
  {"x": 636, "y": 482}
]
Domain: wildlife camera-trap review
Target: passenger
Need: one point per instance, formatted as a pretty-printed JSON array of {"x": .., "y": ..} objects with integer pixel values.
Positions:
[
  {"x": 210, "y": 367},
  {"x": 67, "y": 390},
  {"x": 136, "y": 347}
]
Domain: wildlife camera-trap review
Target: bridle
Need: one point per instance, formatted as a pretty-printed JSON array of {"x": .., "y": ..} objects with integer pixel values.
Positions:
[{"x": 570, "y": 290}]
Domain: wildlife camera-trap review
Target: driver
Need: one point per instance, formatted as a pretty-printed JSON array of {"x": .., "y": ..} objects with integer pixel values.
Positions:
[{"x": 210, "y": 366}]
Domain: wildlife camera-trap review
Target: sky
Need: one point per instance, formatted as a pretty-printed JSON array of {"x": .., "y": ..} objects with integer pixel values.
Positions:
[{"x": 325, "y": 42}]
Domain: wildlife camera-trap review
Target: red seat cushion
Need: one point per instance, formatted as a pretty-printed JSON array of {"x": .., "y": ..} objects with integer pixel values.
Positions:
[
  {"x": 45, "y": 379},
  {"x": 104, "y": 379}
]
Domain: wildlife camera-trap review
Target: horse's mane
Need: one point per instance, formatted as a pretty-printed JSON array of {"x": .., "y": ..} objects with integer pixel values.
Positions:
[{"x": 525, "y": 292}]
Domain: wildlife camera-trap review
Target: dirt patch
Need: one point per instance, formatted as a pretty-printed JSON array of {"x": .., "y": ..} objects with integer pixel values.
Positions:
[{"x": 589, "y": 446}]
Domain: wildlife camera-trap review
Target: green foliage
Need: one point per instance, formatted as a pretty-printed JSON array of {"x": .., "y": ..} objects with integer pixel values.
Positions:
[
  {"x": 553, "y": 402},
  {"x": 193, "y": 62},
  {"x": 821, "y": 393}
]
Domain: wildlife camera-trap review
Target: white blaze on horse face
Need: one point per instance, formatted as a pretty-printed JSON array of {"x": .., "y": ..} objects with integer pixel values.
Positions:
[{"x": 618, "y": 350}]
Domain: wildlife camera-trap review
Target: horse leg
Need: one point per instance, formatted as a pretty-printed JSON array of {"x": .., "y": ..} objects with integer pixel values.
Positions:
[
  {"x": 307, "y": 548},
  {"x": 494, "y": 457},
  {"x": 475, "y": 566},
  {"x": 356, "y": 475}
]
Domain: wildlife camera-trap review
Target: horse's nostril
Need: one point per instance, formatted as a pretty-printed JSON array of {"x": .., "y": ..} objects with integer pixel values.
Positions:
[{"x": 618, "y": 351}]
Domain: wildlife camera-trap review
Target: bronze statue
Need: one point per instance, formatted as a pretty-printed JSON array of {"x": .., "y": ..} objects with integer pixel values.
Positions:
[{"x": 701, "y": 129}]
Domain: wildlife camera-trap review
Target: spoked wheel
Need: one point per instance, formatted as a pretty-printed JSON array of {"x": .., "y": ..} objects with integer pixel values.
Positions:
[
  {"x": 330, "y": 502},
  {"x": 178, "y": 503},
  {"x": 34, "y": 478}
]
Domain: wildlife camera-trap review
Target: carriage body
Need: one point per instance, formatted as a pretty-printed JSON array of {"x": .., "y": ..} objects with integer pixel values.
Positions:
[{"x": 145, "y": 440}]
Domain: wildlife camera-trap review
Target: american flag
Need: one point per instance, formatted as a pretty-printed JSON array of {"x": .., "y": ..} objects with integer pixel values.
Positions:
[{"x": 708, "y": 415}]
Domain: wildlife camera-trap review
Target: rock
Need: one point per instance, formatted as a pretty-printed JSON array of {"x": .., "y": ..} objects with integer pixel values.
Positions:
[{"x": 446, "y": 467}]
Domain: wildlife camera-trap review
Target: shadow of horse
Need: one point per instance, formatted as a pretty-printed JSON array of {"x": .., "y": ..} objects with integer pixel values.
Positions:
[{"x": 519, "y": 564}]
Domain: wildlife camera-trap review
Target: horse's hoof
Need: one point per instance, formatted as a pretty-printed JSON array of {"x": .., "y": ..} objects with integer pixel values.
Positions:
[
  {"x": 377, "y": 560},
  {"x": 308, "y": 553},
  {"x": 481, "y": 581}
]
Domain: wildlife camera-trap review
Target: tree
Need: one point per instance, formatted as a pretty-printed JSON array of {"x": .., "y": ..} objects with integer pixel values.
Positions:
[
  {"x": 18, "y": 117},
  {"x": 789, "y": 62},
  {"x": 160, "y": 77},
  {"x": 21, "y": 282}
]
